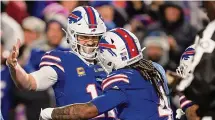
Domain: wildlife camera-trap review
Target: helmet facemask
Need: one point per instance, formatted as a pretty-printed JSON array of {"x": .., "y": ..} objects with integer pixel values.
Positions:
[
  {"x": 86, "y": 48},
  {"x": 183, "y": 70},
  {"x": 85, "y": 22},
  {"x": 106, "y": 64}
]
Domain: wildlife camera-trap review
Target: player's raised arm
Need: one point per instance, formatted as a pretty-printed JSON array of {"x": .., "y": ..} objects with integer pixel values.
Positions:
[
  {"x": 18, "y": 74},
  {"x": 31, "y": 81}
]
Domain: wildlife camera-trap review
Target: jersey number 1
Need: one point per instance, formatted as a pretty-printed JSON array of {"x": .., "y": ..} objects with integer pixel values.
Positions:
[{"x": 91, "y": 89}]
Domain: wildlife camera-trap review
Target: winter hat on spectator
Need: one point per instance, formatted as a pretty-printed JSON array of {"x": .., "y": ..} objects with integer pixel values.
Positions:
[
  {"x": 37, "y": 26},
  {"x": 158, "y": 39},
  {"x": 53, "y": 9},
  {"x": 60, "y": 19}
]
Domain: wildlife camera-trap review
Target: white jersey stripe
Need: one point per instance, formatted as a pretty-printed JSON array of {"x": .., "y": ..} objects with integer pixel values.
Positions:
[
  {"x": 118, "y": 75},
  {"x": 113, "y": 81},
  {"x": 185, "y": 103},
  {"x": 50, "y": 63},
  {"x": 51, "y": 57}
]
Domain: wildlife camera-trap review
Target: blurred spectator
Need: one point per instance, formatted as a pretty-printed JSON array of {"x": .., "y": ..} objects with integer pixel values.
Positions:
[
  {"x": 54, "y": 9},
  {"x": 119, "y": 4},
  {"x": 54, "y": 39},
  {"x": 181, "y": 33},
  {"x": 157, "y": 49},
  {"x": 54, "y": 33},
  {"x": 138, "y": 25},
  {"x": 33, "y": 33},
  {"x": 17, "y": 10},
  {"x": 33, "y": 37},
  {"x": 198, "y": 18},
  {"x": 70, "y": 5},
  {"x": 153, "y": 9},
  {"x": 11, "y": 31},
  {"x": 35, "y": 8},
  {"x": 113, "y": 17},
  {"x": 134, "y": 8}
]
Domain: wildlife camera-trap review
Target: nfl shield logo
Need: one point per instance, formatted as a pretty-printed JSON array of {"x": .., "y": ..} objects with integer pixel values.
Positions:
[
  {"x": 123, "y": 56},
  {"x": 80, "y": 71}
]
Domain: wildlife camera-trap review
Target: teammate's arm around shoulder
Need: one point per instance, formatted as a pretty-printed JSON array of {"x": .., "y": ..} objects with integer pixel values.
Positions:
[
  {"x": 22, "y": 79},
  {"x": 111, "y": 98}
]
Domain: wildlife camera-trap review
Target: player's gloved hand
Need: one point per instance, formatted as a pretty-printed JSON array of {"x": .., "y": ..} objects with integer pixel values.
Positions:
[
  {"x": 179, "y": 113},
  {"x": 12, "y": 59},
  {"x": 46, "y": 114}
]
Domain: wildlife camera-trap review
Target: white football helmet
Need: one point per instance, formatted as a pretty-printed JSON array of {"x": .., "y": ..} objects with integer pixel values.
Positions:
[
  {"x": 84, "y": 21},
  {"x": 118, "y": 48},
  {"x": 185, "y": 62}
]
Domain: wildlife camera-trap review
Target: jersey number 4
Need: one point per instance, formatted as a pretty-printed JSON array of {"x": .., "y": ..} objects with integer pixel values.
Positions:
[{"x": 91, "y": 89}]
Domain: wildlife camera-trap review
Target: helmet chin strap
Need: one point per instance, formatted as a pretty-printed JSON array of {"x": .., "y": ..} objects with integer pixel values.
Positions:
[
  {"x": 88, "y": 56},
  {"x": 102, "y": 64},
  {"x": 66, "y": 35},
  {"x": 143, "y": 49}
]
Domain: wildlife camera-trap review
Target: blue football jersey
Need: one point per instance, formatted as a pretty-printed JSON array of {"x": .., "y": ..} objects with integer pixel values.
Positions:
[
  {"x": 134, "y": 97},
  {"x": 76, "y": 80},
  {"x": 6, "y": 93},
  {"x": 35, "y": 61}
]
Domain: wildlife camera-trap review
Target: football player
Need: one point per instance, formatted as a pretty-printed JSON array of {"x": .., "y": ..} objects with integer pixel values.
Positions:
[
  {"x": 201, "y": 81},
  {"x": 71, "y": 74},
  {"x": 135, "y": 86},
  {"x": 184, "y": 70}
]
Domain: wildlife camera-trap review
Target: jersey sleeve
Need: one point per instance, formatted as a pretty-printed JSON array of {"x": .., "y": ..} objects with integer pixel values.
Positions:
[
  {"x": 184, "y": 102},
  {"x": 109, "y": 100},
  {"x": 51, "y": 59},
  {"x": 116, "y": 81},
  {"x": 44, "y": 81}
]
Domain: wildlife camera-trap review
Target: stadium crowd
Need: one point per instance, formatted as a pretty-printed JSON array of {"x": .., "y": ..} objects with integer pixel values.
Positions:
[{"x": 165, "y": 28}]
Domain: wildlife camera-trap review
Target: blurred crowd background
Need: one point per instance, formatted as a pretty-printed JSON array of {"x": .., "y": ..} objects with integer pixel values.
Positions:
[{"x": 165, "y": 28}]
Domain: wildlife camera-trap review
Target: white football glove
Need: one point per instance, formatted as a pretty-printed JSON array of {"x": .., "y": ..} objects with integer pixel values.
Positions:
[
  {"x": 179, "y": 113},
  {"x": 46, "y": 114}
]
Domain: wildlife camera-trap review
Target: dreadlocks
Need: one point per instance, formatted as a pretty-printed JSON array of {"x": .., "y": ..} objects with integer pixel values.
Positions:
[{"x": 149, "y": 72}]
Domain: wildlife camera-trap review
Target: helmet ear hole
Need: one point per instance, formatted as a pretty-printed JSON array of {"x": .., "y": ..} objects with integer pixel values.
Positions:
[
  {"x": 112, "y": 41},
  {"x": 109, "y": 64},
  {"x": 67, "y": 40}
]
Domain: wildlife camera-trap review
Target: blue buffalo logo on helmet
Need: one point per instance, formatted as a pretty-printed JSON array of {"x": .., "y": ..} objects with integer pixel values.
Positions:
[
  {"x": 105, "y": 45},
  {"x": 75, "y": 17},
  {"x": 189, "y": 52}
]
